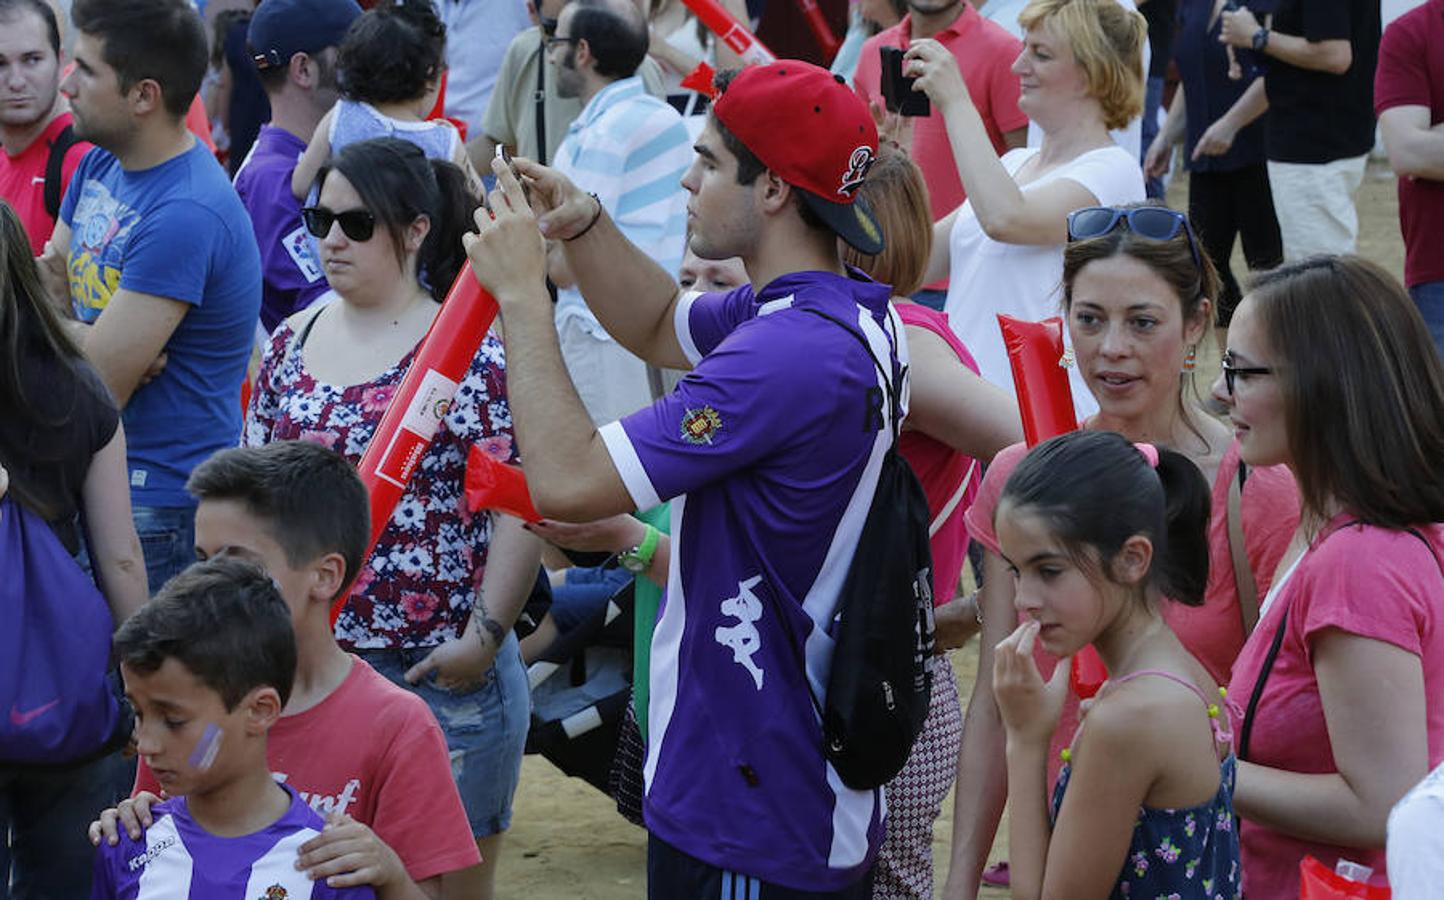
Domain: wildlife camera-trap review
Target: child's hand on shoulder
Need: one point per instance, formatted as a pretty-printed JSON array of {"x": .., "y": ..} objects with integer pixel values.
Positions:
[
  {"x": 1030, "y": 707},
  {"x": 348, "y": 854}
]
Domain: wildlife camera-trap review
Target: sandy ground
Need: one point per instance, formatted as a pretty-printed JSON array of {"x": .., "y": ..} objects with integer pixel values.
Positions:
[{"x": 567, "y": 841}]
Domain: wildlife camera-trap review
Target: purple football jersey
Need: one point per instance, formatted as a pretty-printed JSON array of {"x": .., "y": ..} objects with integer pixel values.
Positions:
[
  {"x": 771, "y": 447},
  {"x": 177, "y": 859}
]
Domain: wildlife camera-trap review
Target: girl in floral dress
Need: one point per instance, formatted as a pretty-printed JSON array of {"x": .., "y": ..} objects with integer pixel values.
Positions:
[
  {"x": 1096, "y": 531},
  {"x": 432, "y": 609}
]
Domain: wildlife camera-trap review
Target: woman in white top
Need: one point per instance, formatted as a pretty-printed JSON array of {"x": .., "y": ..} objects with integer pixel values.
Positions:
[{"x": 1081, "y": 71}]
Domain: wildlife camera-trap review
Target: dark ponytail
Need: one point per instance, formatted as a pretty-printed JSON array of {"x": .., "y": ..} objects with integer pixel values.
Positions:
[
  {"x": 1096, "y": 489},
  {"x": 442, "y": 255},
  {"x": 398, "y": 183}
]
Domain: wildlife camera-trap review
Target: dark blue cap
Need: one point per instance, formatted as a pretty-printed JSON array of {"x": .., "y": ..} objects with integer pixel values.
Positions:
[{"x": 282, "y": 28}]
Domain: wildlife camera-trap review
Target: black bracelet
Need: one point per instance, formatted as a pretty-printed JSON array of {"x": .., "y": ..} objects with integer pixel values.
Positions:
[{"x": 595, "y": 217}]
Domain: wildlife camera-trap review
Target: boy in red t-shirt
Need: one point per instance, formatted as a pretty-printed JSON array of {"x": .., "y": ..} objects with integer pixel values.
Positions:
[{"x": 361, "y": 751}]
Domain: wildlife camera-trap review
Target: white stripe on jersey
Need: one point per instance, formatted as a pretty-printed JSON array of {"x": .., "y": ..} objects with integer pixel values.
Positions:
[
  {"x": 277, "y": 866},
  {"x": 666, "y": 650},
  {"x": 682, "y": 322},
  {"x": 629, "y": 465},
  {"x": 168, "y": 869}
]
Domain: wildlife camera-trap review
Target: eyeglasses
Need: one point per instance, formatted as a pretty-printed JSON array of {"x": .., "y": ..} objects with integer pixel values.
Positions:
[
  {"x": 356, "y": 224},
  {"x": 553, "y": 41},
  {"x": 1231, "y": 371},
  {"x": 1157, "y": 223},
  {"x": 548, "y": 25}
]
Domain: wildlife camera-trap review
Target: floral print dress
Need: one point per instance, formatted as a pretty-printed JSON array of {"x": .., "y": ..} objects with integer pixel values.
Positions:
[
  {"x": 416, "y": 589},
  {"x": 1180, "y": 854}
]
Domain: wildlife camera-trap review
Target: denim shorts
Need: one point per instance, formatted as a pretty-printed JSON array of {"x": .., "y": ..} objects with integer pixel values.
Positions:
[
  {"x": 167, "y": 540},
  {"x": 485, "y": 729}
]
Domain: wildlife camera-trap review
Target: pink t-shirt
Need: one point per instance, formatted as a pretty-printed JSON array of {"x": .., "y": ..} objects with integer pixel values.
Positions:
[
  {"x": 941, "y": 469},
  {"x": 374, "y": 752},
  {"x": 1373, "y": 582},
  {"x": 1213, "y": 632}
]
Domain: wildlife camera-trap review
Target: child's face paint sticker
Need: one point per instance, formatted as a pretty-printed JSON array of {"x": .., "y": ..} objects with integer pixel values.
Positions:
[{"x": 207, "y": 748}]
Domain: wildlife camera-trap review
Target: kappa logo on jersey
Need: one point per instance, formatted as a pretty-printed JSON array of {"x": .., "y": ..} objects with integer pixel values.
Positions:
[
  {"x": 743, "y": 638},
  {"x": 136, "y": 862},
  {"x": 298, "y": 247},
  {"x": 699, "y": 425}
]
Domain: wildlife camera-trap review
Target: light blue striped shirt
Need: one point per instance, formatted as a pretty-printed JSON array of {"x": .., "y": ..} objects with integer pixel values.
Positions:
[{"x": 631, "y": 150}]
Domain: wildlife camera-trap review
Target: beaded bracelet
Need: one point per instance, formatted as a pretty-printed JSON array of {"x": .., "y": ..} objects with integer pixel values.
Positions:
[{"x": 595, "y": 216}]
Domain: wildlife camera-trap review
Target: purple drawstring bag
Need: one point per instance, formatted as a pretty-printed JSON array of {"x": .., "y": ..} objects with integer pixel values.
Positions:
[{"x": 57, "y": 703}]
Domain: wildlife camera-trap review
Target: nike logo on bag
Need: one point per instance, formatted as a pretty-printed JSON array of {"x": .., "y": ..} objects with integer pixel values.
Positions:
[{"x": 21, "y": 719}]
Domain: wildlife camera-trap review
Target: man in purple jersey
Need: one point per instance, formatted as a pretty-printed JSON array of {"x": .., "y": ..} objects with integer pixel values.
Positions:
[{"x": 769, "y": 450}]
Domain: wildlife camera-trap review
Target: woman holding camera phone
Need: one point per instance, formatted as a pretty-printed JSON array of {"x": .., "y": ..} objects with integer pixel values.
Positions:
[{"x": 1081, "y": 72}]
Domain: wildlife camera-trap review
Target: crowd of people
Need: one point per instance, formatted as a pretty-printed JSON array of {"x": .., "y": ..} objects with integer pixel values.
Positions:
[{"x": 722, "y": 318}]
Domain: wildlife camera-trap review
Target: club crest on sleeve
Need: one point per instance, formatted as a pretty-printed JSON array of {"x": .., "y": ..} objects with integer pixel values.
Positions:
[
  {"x": 274, "y": 892},
  {"x": 699, "y": 425}
]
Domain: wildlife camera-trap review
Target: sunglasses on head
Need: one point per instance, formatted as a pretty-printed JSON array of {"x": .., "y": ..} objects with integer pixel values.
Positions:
[
  {"x": 356, "y": 224},
  {"x": 1157, "y": 223}
]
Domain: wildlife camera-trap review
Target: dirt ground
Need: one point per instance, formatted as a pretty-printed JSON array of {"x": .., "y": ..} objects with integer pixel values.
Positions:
[{"x": 567, "y": 841}]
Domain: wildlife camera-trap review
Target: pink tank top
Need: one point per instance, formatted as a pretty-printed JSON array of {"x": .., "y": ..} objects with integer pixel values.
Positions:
[{"x": 949, "y": 479}]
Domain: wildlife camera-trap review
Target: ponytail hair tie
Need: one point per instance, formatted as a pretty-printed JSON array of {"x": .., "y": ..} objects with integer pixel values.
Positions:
[{"x": 1150, "y": 453}]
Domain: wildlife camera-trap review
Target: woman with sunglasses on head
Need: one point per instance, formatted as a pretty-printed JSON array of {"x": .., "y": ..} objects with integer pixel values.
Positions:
[
  {"x": 1338, "y": 696},
  {"x": 389, "y": 223},
  {"x": 1081, "y": 72},
  {"x": 1138, "y": 297}
]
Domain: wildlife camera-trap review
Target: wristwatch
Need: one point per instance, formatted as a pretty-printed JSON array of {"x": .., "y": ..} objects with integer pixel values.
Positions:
[
  {"x": 1260, "y": 40},
  {"x": 637, "y": 559}
]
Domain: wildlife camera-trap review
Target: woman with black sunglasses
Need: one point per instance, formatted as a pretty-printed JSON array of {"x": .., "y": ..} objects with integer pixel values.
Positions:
[
  {"x": 389, "y": 223},
  {"x": 1138, "y": 295},
  {"x": 1338, "y": 696}
]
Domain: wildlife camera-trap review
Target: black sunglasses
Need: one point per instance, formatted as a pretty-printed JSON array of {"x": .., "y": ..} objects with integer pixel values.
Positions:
[
  {"x": 1231, "y": 371},
  {"x": 1157, "y": 223},
  {"x": 356, "y": 224}
]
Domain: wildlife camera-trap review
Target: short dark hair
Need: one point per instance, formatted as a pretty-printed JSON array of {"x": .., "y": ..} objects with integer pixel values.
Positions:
[
  {"x": 9, "y": 9},
  {"x": 398, "y": 183},
  {"x": 1363, "y": 389},
  {"x": 392, "y": 53},
  {"x": 1094, "y": 489},
  {"x": 749, "y": 167},
  {"x": 310, "y": 498},
  {"x": 225, "y": 621},
  {"x": 163, "y": 40},
  {"x": 618, "y": 42}
]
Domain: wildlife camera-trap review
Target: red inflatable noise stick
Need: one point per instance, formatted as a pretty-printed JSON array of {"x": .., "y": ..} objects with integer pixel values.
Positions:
[
  {"x": 733, "y": 33},
  {"x": 1045, "y": 402},
  {"x": 421, "y": 401},
  {"x": 1045, "y": 398},
  {"x": 820, "y": 29},
  {"x": 496, "y": 485}
]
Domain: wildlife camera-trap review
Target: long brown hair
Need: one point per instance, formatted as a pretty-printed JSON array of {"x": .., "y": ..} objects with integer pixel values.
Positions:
[
  {"x": 898, "y": 196},
  {"x": 1363, "y": 389},
  {"x": 29, "y": 327}
]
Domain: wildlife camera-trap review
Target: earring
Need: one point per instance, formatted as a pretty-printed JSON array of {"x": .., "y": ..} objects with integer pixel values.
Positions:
[
  {"x": 1066, "y": 360},
  {"x": 1190, "y": 361}
]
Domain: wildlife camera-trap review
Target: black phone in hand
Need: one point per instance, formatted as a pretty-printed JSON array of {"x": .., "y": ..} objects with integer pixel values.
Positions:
[{"x": 897, "y": 90}]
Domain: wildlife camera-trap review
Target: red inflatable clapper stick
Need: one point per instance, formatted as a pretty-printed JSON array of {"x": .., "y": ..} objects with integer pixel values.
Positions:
[
  {"x": 1045, "y": 402},
  {"x": 421, "y": 401},
  {"x": 496, "y": 485},
  {"x": 820, "y": 29},
  {"x": 1045, "y": 399},
  {"x": 733, "y": 33}
]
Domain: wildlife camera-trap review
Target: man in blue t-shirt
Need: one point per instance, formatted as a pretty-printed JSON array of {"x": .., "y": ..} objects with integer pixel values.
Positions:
[
  {"x": 769, "y": 450},
  {"x": 154, "y": 257},
  {"x": 293, "y": 44}
]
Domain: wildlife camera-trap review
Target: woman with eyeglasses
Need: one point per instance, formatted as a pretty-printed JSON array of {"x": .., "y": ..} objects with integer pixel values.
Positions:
[
  {"x": 1338, "y": 696},
  {"x": 1138, "y": 297},
  {"x": 389, "y": 223},
  {"x": 1081, "y": 72}
]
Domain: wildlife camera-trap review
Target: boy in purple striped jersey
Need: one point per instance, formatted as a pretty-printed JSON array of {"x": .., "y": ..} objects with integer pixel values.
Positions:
[{"x": 208, "y": 665}]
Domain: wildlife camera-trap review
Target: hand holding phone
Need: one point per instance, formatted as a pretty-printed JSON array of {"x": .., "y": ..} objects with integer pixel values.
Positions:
[{"x": 897, "y": 90}]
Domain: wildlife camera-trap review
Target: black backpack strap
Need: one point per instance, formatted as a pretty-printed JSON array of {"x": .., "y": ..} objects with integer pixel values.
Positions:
[
  {"x": 893, "y": 382},
  {"x": 540, "y": 101},
  {"x": 55, "y": 169}
]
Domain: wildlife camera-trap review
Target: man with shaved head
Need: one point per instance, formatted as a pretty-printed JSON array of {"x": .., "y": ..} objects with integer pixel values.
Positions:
[{"x": 630, "y": 150}]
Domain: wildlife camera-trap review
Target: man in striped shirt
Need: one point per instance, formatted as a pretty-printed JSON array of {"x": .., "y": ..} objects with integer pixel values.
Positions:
[{"x": 630, "y": 150}]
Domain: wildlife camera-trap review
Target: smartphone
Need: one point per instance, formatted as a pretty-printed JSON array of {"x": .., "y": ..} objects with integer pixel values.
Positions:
[{"x": 897, "y": 91}]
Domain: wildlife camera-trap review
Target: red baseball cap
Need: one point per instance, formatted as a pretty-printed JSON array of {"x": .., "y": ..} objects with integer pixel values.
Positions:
[{"x": 807, "y": 126}]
